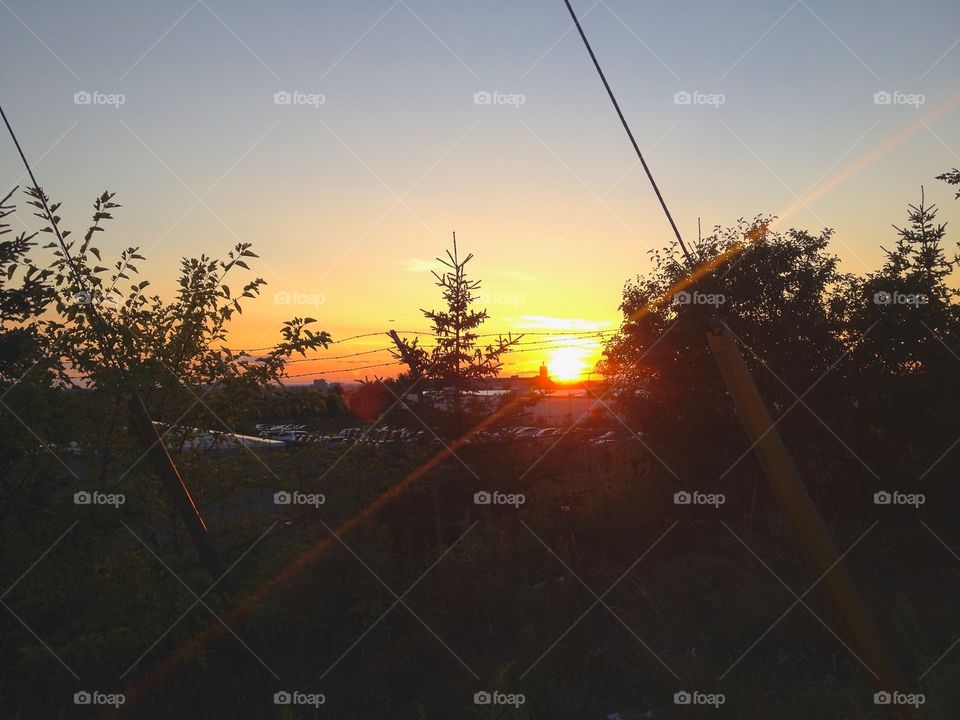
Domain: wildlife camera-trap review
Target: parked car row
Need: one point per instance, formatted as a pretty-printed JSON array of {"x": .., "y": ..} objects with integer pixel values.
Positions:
[
  {"x": 382, "y": 436},
  {"x": 522, "y": 433},
  {"x": 555, "y": 434},
  {"x": 298, "y": 434},
  {"x": 286, "y": 433},
  {"x": 392, "y": 435}
]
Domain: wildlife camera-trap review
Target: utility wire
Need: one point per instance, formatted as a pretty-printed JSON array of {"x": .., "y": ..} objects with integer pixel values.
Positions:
[
  {"x": 97, "y": 322},
  {"x": 562, "y": 333},
  {"x": 332, "y": 342},
  {"x": 541, "y": 343},
  {"x": 400, "y": 362},
  {"x": 626, "y": 126}
]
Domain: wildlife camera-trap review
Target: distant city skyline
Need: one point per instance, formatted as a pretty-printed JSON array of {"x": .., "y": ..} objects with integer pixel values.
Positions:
[{"x": 346, "y": 141}]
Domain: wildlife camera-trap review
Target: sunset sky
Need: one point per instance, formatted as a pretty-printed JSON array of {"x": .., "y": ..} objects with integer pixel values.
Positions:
[{"x": 388, "y": 144}]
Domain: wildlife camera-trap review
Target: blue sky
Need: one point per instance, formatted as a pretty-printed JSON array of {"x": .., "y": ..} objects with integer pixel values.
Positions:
[{"x": 344, "y": 198}]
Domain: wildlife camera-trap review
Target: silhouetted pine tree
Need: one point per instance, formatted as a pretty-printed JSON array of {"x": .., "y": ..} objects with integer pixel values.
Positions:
[{"x": 456, "y": 359}]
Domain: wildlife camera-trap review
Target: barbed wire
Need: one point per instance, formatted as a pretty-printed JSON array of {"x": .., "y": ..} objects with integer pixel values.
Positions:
[
  {"x": 533, "y": 346},
  {"x": 424, "y": 333},
  {"x": 529, "y": 346},
  {"x": 561, "y": 337},
  {"x": 400, "y": 362}
]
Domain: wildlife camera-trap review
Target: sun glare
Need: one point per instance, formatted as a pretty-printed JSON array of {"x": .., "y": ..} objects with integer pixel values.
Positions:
[{"x": 567, "y": 364}]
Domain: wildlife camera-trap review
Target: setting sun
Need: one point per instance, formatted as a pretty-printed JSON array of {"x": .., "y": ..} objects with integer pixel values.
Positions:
[{"x": 567, "y": 364}]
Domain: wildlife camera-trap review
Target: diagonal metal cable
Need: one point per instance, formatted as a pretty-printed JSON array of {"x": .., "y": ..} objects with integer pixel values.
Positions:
[{"x": 626, "y": 126}]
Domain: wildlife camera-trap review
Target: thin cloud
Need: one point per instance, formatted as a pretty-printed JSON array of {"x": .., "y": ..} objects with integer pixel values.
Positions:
[
  {"x": 419, "y": 265},
  {"x": 546, "y": 322}
]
